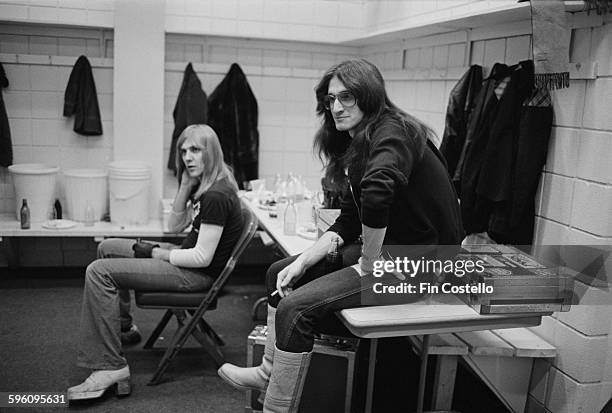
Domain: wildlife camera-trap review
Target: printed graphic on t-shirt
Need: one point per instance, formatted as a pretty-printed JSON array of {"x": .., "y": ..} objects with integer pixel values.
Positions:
[{"x": 196, "y": 212}]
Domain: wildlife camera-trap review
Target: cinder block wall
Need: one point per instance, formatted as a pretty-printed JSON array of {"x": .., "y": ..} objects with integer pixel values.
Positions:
[
  {"x": 574, "y": 204},
  {"x": 34, "y": 100},
  {"x": 575, "y": 196},
  {"x": 282, "y": 76},
  {"x": 575, "y": 209}
]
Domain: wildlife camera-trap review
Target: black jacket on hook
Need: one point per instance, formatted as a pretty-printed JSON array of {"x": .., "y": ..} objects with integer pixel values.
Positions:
[
  {"x": 233, "y": 115},
  {"x": 81, "y": 99},
  {"x": 503, "y": 155},
  {"x": 6, "y": 147},
  {"x": 460, "y": 105},
  {"x": 191, "y": 108}
]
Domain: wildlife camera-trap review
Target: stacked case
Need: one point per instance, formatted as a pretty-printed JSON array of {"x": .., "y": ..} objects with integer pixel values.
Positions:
[
  {"x": 521, "y": 284},
  {"x": 329, "y": 383}
]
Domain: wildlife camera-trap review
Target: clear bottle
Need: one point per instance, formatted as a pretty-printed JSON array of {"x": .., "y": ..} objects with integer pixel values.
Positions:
[
  {"x": 299, "y": 188},
  {"x": 24, "y": 214},
  {"x": 90, "y": 215},
  {"x": 291, "y": 186},
  {"x": 290, "y": 219},
  {"x": 278, "y": 187}
]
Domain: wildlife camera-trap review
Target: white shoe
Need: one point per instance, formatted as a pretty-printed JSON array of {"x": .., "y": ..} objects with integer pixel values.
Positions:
[
  {"x": 246, "y": 378},
  {"x": 100, "y": 380}
]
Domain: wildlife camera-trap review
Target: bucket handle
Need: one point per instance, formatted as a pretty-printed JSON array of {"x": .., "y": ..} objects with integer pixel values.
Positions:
[{"x": 126, "y": 197}]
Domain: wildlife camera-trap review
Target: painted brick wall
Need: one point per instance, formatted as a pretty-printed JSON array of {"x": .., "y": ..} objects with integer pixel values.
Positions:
[
  {"x": 92, "y": 13},
  {"x": 574, "y": 203},
  {"x": 35, "y": 97},
  {"x": 575, "y": 209},
  {"x": 282, "y": 76},
  {"x": 575, "y": 197},
  {"x": 325, "y": 21}
]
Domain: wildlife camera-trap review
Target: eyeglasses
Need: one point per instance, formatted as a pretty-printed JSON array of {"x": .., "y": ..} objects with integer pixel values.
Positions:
[{"x": 346, "y": 99}]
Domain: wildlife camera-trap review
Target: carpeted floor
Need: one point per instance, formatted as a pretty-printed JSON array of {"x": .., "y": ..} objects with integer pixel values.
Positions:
[
  {"x": 39, "y": 320},
  {"x": 39, "y": 334}
]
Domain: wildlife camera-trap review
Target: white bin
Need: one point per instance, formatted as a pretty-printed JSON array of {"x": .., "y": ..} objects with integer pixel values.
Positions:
[
  {"x": 36, "y": 183},
  {"x": 128, "y": 184},
  {"x": 83, "y": 187}
]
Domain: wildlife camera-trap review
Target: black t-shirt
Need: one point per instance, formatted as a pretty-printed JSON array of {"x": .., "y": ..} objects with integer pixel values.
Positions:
[{"x": 217, "y": 206}]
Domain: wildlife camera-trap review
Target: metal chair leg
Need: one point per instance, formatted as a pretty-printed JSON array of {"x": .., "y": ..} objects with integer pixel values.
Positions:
[
  {"x": 158, "y": 330},
  {"x": 178, "y": 341},
  {"x": 210, "y": 347},
  {"x": 211, "y": 332}
]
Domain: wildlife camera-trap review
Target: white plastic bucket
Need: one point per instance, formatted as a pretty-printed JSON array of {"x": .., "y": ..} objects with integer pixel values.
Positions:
[
  {"x": 86, "y": 187},
  {"x": 36, "y": 183},
  {"x": 128, "y": 184}
]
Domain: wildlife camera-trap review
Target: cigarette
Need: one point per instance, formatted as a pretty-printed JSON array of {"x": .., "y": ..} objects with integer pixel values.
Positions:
[{"x": 274, "y": 293}]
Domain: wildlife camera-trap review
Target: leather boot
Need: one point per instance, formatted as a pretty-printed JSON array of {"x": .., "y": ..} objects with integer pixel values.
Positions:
[
  {"x": 97, "y": 383},
  {"x": 286, "y": 381},
  {"x": 253, "y": 378}
]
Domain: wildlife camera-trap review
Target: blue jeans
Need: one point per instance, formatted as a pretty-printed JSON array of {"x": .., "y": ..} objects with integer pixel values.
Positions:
[
  {"x": 106, "y": 298},
  {"x": 315, "y": 297}
]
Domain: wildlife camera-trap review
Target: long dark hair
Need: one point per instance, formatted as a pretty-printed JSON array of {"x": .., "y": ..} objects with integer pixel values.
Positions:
[{"x": 336, "y": 148}]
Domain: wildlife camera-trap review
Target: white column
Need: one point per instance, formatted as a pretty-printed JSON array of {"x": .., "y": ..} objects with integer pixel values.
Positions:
[{"x": 138, "y": 87}]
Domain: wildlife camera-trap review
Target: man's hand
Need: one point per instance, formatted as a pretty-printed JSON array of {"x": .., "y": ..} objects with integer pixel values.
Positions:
[
  {"x": 188, "y": 182},
  {"x": 364, "y": 267},
  {"x": 143, "y": 249},
  {"x": 288, "y": 276}
]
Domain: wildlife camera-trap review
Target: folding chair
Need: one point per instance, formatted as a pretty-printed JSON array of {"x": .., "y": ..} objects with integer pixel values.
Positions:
[{"x": 189, "y": 308}]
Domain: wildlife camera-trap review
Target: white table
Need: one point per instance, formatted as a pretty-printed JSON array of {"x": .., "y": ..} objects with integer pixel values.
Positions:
[
  {"x": 443, "y": 313},
  {"x": 10, "y": 227},
  {"x": 289, "y": 244}
]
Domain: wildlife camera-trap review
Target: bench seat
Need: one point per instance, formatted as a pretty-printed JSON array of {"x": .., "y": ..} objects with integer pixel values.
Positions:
[{"x": 503, "y": 359}]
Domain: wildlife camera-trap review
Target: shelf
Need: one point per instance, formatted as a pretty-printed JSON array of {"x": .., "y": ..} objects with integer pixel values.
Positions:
[
  {"x": 10, "y": 227},
  {"x": 468, "y": 16}
]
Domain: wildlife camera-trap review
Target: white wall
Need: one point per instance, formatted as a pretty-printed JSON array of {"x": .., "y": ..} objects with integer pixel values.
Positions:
[
  {"x": 35, "y": 97},
  {"x": 282, "y": 76},
  {"x": 575, "y": 197},
  {"x": 91, "y": 13},
  {"x": 139, "y": 88},
  {"x": 574, "y": 204},
  {"x": 323, "y": 21}
]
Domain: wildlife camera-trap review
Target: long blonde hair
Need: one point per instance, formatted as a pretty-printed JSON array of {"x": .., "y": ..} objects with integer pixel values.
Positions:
[{"x": 212, "y": 155}]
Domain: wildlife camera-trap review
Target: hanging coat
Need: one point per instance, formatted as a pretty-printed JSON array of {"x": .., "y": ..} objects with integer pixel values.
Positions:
[
  {"x": 512, "y": 221},
  {"x": 460, "y": 105},
  {"x": 191, "y": 108},
  {"x": 233, "y": 115},
  {"x": 505, "y": 150},
  {"x": 6, "y": 147},
  {"x": 81, "y": 99},
  {"x": 475, "y": 211}
]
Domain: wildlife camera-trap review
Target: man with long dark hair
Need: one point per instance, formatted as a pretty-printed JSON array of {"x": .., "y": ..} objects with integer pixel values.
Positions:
[{"x": 399, "y": 193}]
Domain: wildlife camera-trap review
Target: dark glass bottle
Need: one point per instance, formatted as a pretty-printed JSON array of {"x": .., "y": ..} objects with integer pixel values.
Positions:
[
  {"x": 24, "y": 213},
  {"x": 57, "y": 209},
  {"x": 333, "y": 260}
]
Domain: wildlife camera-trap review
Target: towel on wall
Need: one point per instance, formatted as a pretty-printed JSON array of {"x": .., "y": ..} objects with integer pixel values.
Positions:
[
  {"x": 6, "y": 147},
  {"x": 551, "y": 43},
  {"x": 81, "y": 99},
  {"x": 191, "y": 108},
  {"x": 233, "y": 115}
]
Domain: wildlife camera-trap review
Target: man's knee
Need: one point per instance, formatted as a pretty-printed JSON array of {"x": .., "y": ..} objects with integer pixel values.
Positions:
[
  {"x": 95, "y": 274},
  {"x": 102, "y": 248},
  {"x": 291, "y": 318},
  {"x": 272, "y": 273}
]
